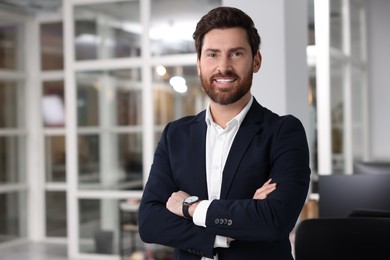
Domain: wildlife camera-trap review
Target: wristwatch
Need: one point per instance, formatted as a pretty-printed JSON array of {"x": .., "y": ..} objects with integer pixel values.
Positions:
[{"x": 187, "y": 203}]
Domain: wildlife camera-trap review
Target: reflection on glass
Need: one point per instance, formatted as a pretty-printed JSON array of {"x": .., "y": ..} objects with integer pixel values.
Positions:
[
  {"x": 12, "y": 216},
  {"x": 87, "y": 101},
  {"x": 337, "y": 113},
  {"x": 128, "y": 97},
  {"x": 129, "y": 162},
  {"x": 108, "y": 30},
  {"x": 53, "y": 104},
  {"x": 122, "y": 161},
  {"x": 99, "y": 223},
  {"x": 172, "y": 34},
  {"x": 52, "y": 51},
  {"x": 90, "y": 223},
  {"x": 357, "y": 113},
  {"x": 11, "y": 105},
  {"x": 356, "y": 30},
  {"x": 128, "y": 107},
  {"x": 8, "y": 46},
  {"x": 12, "y": 159},
  {"x": 56, "y": 223},
  {"x": 169, "y": 104},
  {"x": 108, "y": 98},
  {"x": 89, "y": 168},
  {"x": 55, "y": 159},
  {"x": 336, "y": 29}
]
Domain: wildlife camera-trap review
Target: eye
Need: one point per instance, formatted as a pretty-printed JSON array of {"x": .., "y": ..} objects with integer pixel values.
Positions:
[
  {"x": 211, "y": 55},
  {"x": 236, "y": 53}
]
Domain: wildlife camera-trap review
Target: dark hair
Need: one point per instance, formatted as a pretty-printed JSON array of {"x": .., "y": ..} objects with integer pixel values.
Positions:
[{"x": 222, "y": 18}]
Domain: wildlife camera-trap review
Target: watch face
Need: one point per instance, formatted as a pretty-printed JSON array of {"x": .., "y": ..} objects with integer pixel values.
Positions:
[{"x": 191, "y": 199}]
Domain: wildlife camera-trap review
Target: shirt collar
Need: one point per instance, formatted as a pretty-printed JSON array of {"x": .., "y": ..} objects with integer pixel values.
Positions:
[{"x": 239, "y": 118}]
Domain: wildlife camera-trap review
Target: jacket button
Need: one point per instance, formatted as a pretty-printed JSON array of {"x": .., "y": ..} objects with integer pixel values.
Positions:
[
  {"x": 216, "y": 221},
  {"x": 230, "y": 222}
]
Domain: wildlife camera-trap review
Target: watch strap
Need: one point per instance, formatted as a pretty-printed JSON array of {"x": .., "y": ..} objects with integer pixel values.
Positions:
[{"x": 185, "y": 210}]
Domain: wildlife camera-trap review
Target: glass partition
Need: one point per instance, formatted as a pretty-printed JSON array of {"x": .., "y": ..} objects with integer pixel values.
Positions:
[
  {"x": 358, "y": 112},
  {"x": 12, "y": 159},
  {"x": 55, "y": 159},
  {"x": 177, "y": 92},
  {"x": 337, "y": 107},
  {"x": 52, "y": 50},
  {"x": 357, "y": 43},
  {"x": 53, "y": 104},
  {"x": 107, "y": 30},
  {"x": 8, "y": 46},
  {"x": 172, "y": 34},
  {"x": 336, "y": 24},
  {"x": 56, "y": 224},
  {"x": 11, "y": 104},
  {"x": 12, "y": 216},
  {"x": 98, "y": 226}
]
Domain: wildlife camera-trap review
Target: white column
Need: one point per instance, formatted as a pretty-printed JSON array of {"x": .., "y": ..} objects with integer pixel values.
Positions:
[
  {"x": 34, "y": 169},
  {"x": 322, "y": 24}
]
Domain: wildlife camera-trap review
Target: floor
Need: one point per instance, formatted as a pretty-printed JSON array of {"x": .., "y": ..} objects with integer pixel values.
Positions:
[
  {"x": 34, "y": 251},
  {"x": 41, "y": 251}
]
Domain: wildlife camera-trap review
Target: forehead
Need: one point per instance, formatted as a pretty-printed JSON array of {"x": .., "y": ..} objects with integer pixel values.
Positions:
[{"x": 226, "y": 38}]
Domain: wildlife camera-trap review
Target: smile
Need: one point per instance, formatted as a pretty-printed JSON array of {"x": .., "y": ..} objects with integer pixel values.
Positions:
[{"x": 224, "y": 80}]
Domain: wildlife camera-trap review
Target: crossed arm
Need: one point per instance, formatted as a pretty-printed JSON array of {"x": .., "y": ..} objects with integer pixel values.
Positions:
[{"x": 175, "y": 201}]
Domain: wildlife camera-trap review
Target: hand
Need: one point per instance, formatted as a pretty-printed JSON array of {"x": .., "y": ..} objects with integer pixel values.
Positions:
[
  {"x": 267, "y": 188},
  {"x": 175, "y": 202}
]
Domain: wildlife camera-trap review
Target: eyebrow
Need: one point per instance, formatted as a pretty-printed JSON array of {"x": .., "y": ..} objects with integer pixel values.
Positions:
[{"x": 230, "y": 50}]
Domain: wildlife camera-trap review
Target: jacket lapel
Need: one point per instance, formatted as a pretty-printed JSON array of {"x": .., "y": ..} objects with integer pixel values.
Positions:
[{"x": 248, "y": 129}]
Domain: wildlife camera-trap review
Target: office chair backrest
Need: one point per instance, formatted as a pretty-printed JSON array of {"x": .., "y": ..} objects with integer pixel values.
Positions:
[
  {"x": 369, "y": 213},
  {"x": 342, "y": 239}
]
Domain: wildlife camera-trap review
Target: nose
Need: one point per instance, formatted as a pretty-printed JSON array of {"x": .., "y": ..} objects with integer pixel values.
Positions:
[{"x": 224, "y": 64}]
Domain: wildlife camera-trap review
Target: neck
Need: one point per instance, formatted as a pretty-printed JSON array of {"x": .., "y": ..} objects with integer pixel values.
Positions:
[{"x": 222, "y": 114}]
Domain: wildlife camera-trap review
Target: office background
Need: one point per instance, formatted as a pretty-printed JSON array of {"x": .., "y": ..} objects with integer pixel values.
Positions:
[{"x": 85, "y": 93}]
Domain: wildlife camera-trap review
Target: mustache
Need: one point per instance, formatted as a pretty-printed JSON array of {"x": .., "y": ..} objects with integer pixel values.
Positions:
[{"x": 227, "y": 73}]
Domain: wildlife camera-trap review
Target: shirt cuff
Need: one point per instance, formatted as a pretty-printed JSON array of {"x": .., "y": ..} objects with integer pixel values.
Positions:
[
  {"x": 199, "y": 219},
  {"x": 221, "y": 241},
  {"x": 200, "y": 212}
]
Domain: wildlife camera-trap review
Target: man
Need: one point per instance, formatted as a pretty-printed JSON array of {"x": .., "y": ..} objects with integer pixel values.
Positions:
[{"x": 230, "y": 182}]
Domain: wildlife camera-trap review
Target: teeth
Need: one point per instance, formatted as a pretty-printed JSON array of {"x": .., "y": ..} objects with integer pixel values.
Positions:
[{"x": 224, "y": 80}]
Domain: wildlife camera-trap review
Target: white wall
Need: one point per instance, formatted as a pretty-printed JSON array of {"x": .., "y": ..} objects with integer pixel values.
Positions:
[
  {"x": 378, "y": 34},
  {"x": 281, "y": 85}
]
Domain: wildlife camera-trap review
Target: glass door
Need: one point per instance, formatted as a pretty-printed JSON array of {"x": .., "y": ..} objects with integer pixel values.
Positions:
[
  {"x": 122, "y": 59},
  {"x": 13, "y": 128},
  {"x": 341, "y": 84}
]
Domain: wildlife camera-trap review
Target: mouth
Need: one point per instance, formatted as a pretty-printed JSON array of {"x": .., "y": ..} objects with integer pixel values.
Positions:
[{"x": 224, "y": 80}]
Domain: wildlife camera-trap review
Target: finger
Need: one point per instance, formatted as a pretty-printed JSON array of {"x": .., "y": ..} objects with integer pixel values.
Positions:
[{"x": 262, "y": 192}]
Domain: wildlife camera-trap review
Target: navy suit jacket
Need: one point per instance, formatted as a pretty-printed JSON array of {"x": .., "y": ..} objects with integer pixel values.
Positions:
[{"x": 266, "y": 146}]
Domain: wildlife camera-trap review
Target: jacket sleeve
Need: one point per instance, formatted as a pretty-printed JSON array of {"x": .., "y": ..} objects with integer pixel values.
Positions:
[{"x": 156, "y": 223}]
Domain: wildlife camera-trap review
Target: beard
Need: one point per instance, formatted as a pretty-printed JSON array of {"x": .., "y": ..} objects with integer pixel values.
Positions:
[{"x": 229, "y": 95}]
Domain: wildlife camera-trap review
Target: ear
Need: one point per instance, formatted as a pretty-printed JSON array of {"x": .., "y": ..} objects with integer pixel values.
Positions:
[
  {"x": 257, "y": 62},
  {"x": 198, "y": 66}
]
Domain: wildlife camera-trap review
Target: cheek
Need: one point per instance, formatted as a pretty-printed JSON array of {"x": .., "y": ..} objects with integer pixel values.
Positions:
[{"x": 205, "y": 70}]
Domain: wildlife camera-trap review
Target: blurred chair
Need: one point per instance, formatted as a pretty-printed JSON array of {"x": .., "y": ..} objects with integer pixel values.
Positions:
[
  {"x": 370, "y": 213},
  {"x": 352, "y": 238}
]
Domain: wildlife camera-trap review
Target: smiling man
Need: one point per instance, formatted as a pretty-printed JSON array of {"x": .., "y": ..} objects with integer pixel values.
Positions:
[{"x": 230, "y": 182}]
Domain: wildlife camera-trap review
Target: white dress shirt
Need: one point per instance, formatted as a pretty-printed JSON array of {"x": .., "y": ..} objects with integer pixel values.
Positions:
[{"x": 218, "y": 143}]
